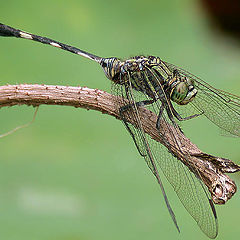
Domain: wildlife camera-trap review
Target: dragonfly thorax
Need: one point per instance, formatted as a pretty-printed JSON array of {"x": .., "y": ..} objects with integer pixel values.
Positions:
[
  {"x": 151, "y": 76},
  {"x": 118, "y": 70}
]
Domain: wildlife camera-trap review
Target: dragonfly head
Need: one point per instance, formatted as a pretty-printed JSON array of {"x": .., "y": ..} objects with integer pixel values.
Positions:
[
  {"x": 111, "y": 67},
  {"x": 184, "y": 91}
]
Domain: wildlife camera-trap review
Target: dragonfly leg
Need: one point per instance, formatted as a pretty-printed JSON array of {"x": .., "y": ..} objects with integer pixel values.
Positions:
[
  {"x": 169, "y": 113},
  {"x": 160, "y": 116},
  {"x": 177, "y": 115},
  {"x": 126, "y": 108},
  {"x": 171, "y": 116}
]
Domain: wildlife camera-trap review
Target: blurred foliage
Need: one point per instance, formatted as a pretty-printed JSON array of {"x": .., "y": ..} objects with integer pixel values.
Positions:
[{"x": 75, "y": 174}]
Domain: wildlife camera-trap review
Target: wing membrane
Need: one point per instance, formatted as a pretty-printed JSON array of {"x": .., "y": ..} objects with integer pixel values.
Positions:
[
  {"x": 220, "y": 107},
  {"x": 190, "y": 190}
]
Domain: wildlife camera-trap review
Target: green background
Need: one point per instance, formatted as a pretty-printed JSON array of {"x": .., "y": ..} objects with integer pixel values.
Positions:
[{"x": 76, "y": 174}]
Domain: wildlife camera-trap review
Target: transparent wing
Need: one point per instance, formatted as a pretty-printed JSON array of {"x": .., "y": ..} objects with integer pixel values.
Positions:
[
  {"x": 190, "y": 190},
  {"x": 220, "y": 107},
  {"x": 139, "y": 137}
]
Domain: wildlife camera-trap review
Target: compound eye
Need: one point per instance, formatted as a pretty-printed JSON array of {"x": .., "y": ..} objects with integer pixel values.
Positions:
[{"x": 181, "y": 88}]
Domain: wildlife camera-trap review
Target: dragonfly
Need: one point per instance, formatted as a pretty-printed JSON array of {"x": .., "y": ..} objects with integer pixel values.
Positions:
[{"x": 174, "y": 95}]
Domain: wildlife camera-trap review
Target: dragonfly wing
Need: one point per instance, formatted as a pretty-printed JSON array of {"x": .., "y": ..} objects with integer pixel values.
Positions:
[
  {"x": 220, "y": 107},
  {"x": 140, "y": 138},
  {"x": 192, "y": 193},
  {"x": 190, "y": 190}
]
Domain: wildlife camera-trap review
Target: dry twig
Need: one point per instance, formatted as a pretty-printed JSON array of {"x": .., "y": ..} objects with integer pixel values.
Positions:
[{"x": 211, "y": 169}]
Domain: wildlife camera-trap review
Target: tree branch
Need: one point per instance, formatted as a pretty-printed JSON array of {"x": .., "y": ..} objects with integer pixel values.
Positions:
[{"x": 210, "y": 168}]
